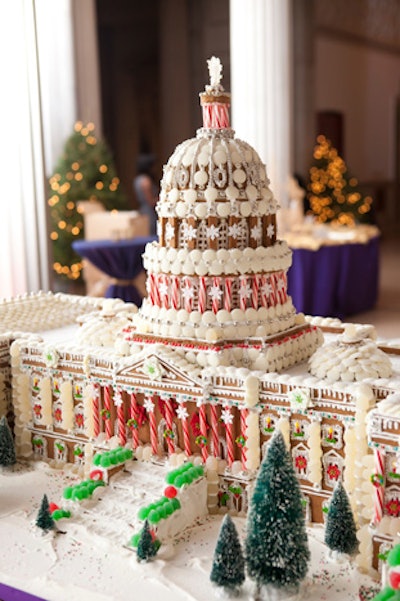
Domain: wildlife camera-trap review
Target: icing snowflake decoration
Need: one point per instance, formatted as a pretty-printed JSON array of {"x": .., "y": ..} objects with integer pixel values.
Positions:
[
  {"x": 153, "y": 369},
  {"x": 189, "y": 232},
  {"x": 212, "y": 232},
  {"x": 255, "y": 232},
  {"x": 235, "y": 230},
  {"x": 245, "y": 291},
  {"x": 227, "y": 416},
  {"x": 51, "y": 357},
  {"x": 299, "y": 399},
  {"x": 182, "y": 412},
  {"x": 118, "y": 399},
  {"x": 215, "y": 293},
  {"x": 270, "y": 230},
  {"x": 187, "y": 293},
  {"x": 148, "y": 405},
  {"x": 266, "y": 289}
]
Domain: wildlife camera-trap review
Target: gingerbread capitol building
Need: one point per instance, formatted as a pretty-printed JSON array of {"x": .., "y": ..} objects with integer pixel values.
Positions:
[{"x": 216, "y": 359}]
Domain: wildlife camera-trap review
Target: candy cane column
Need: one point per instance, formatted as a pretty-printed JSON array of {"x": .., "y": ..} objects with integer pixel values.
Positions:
[
  {"x": 378, "y": 480},
  {"x": 214, "y": 430},
  {"x": 119, "y": 403},
  {"x": 227, "y": 418},
  {"x": 183, "y": 415},
  {"x": 96, "y": 411},
  {"x": 169, "y": 416},
  {"x": 243, "y": 427},
  {"x": 107, "y": 408},
  {"x": 150, "y": 408},
  {"x": 203, "y": 431},
  {"x": 135, "y": 417}
]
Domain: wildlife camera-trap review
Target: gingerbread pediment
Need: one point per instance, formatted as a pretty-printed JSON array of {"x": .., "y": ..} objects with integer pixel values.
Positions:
[{"x": 154, "y": 368}]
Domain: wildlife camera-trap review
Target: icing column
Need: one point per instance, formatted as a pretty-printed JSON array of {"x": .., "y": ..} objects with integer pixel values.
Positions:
[
  {"x": 314, "y": 442},
  {"x": 364, "y": 467},
  {"x": 215, "y": 101},
  {"x": 21, "y": 404},
  {"x": 169, "y": 419},
  {"x": 251, "y": 399},
  {"x": 91, "y": 424}
]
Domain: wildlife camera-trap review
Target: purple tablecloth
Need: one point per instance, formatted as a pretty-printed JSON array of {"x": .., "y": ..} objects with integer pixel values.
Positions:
[
  {"x": 121, "y": 260},
  {"x": 7, "y": 593},
  {"x": 335, "y": 281}
]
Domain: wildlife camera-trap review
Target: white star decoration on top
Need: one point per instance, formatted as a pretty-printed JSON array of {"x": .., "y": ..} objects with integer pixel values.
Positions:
[
  {"x": 212, "y": 232},
  {"x": 215, "y": 70},
  {"x": 226, "y": 416},
  {"x": 182, "y": 413},
  {"x": 270, "y": 230}
]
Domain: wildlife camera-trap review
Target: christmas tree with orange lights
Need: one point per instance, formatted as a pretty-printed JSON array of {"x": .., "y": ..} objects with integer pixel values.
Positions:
[
  {"x": 332, "y": 191},
  {"x": 85, "y": 171}
]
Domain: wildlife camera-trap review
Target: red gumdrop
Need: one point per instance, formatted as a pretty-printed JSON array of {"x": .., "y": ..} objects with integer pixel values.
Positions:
[
  {"x": 53, "y": 507},
  {"x": 170, "y": 492}
]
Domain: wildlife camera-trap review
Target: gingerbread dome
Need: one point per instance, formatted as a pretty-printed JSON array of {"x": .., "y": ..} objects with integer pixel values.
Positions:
[{"x": 216, "y": 281}]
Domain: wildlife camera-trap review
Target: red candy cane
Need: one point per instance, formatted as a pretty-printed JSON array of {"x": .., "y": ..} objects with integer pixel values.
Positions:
[
  {"x": 186, "y": 436},
  {"x": 242, "y": 294},
  {"x": 169, "y": 416},
  {"x": 175, "y": 293},
  {"x": 229, "y": 442},
  {"x": 135, "y": 416},
  {"x": 272, "y": 296},
  {"x": 156, "y": 283},
  {"x": 202, "y": 294},
  {"x": 254, "y": 292},
  {"x": 165, "y": 297},
  {"x": 216, "y": 115},
  {"x": 214, "y": 429},
  {"x": 243, "y": 429},
  {"x": 228, "y": 294},
  {"x": 96, "y": 412},
  {"x": 121, "y": 422},
  {"x": 188, "y": 298},
  {"x": 153, "y": 430},
  {"x": 215, "y": 300},
  {"x": 379, "y": 491},
  {"x": 203, "y": 431},
  {"x": 107, "y": 407},
  {"x": 264, "y": 295}
]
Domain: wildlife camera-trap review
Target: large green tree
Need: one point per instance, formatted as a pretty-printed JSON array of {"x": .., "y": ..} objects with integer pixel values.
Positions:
[
  {"x": 228, "y": 563},
  {"x": 85, "y": 171},
  {"x": 333, "y": 193},
  {"x": 276, "y": 550}
]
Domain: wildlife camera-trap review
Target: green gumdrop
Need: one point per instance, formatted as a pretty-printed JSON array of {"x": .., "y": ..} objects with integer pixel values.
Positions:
[
  {"x": 120, "y": 457},
  {"x": 114, "y": 458},
  {"x": 67, "y": 513},
  {"x": 179, "y": 481},
  {"x": 97, "y": 459},
  {"x": 154, "y": 517},
  {"x": 175, "y": 503},
  {"x": 57, "y": 514},
  {"x": 170, "y": 477},
  {"x": 67, "y": 494},
  {"x": 128, "y": 454},
  {"x": 105, "y": 461},
  {"x": 135, "y": 539},
  {"x": 168, "y": 509},
  {"x": 143, "y": 513}
]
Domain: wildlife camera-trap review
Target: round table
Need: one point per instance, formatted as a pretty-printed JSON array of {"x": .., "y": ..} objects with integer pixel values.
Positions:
[{"x": 120, "y": 259}]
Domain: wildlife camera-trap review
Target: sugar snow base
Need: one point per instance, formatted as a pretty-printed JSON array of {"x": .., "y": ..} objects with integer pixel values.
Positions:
[{"x": 91, "y": 562}]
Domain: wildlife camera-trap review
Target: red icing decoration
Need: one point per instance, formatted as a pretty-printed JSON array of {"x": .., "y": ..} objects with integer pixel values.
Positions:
[
  {"x": 394, "y": 580},
  {"x": 53, "y": 507},
  {"x": 96, "y": 475}
]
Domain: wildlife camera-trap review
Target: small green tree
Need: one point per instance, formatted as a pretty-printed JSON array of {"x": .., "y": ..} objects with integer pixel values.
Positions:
[
  {"x": 7, "y": 448},
  {"x": 340, "y": 529},
  {"x": 228, "y": 564},
  {"x": 85, "y": 171},
  {"x": 276, "y": 550},
  {"x": 44, "y": 519},
  {"x": 147, "y": 547}
]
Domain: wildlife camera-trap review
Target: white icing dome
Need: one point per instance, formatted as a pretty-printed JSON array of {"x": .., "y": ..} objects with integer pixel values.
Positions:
[
  {"x": 218, "y": 173},
  {"x": 353, "y": 357}
]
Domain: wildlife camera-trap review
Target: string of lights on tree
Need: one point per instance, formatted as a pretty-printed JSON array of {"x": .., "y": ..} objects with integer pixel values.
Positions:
[
  {"x": 332, "y": 191},
  {"x": 85, "y": 172}
]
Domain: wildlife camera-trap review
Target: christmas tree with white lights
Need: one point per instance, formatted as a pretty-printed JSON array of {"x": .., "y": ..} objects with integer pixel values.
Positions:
[
  {"x": 85, "y": 171},
  {"x": 332, "y": 192}
]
